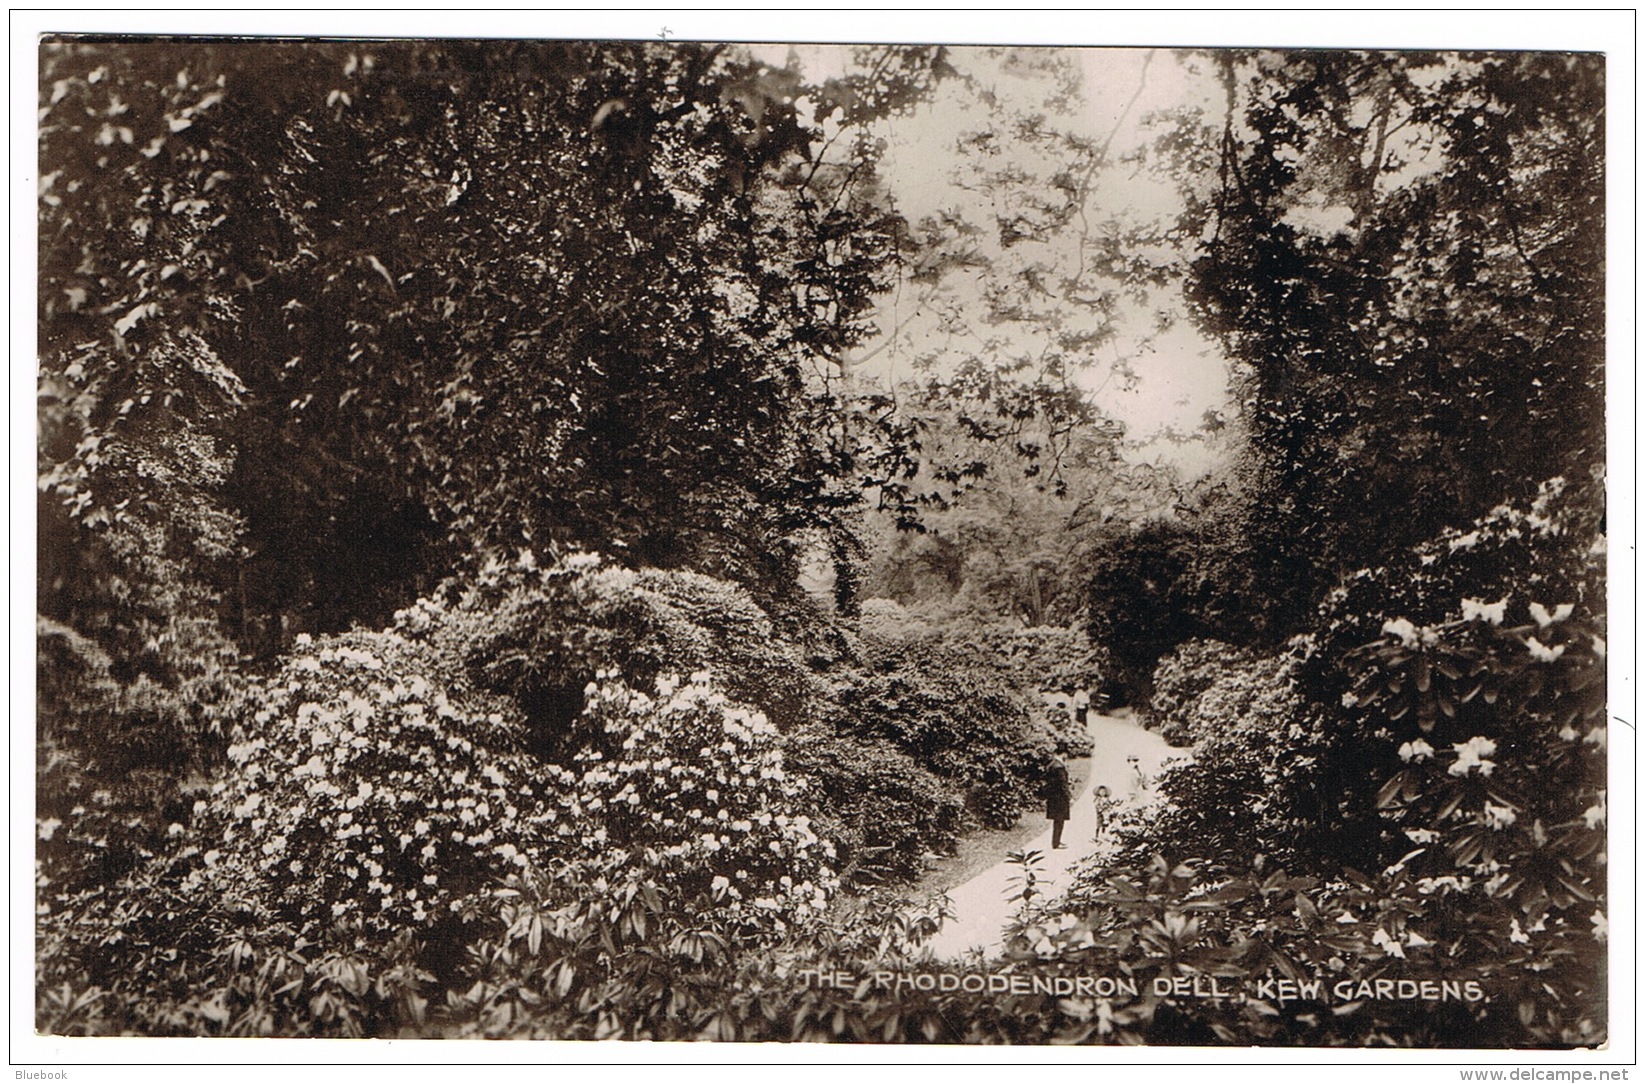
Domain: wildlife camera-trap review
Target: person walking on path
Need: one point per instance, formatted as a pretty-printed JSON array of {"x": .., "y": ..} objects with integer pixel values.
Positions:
[
  {"x": 982, "y": 907},
  {"x": 1082, "y": 707},
  {"x": 1059, "y": 797},
  {"x": 1139, "y": 782}
]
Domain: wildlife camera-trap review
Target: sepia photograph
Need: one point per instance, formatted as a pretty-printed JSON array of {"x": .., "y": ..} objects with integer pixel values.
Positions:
[{"x": 890, "y": 543}]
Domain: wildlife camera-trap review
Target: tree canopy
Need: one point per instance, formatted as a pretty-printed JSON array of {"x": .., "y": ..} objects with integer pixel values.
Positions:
[
  {"x": 372, "y": 305},
  {"x": 1403, "y": 253}
]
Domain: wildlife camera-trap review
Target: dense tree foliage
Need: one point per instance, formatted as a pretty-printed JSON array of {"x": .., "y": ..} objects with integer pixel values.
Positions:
[
  {"x": 531, "y": 293},
  {"x": 431, "y": 434},
  {"x": 1402, "y": 255},
  {"x": 1405, "y": 253},
  {"x": 320, "y": 320},
  {"x": 1188, "y": 573}
]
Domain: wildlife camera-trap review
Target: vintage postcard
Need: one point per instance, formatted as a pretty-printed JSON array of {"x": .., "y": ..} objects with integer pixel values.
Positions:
[{"x": 888, "y": 543}]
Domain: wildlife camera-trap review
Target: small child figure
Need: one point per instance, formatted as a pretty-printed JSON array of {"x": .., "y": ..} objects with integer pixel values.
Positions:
[{"x": 1104, "y": 802}]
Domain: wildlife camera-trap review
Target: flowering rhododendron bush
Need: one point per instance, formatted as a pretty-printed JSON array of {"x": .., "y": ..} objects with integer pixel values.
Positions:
[
  {"x": 697, "y": 797},
  {"x": 539, "y": 634},
  {"x": 1351, "y": 959},
  {"x": 362, "y": 794},
  {"x": 1444, "y": 732},
  {"x": 328, "y": 882},
  {"x": 1495, "y": 719},
  {"x": 360, "y": 790},
  {"x": 1472, "y": 673},
  {"x": 1154, "y": 954}
]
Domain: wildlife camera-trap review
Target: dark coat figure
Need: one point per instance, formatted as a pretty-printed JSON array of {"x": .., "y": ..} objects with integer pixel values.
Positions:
[{"x": 1059, "y": 798}]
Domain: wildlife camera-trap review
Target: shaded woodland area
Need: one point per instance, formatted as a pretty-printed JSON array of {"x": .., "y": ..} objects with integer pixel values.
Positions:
[{"x": 486, "y": 588}]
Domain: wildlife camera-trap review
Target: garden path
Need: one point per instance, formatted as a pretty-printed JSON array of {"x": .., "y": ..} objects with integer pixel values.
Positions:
[{"x": 980, "y": 907}]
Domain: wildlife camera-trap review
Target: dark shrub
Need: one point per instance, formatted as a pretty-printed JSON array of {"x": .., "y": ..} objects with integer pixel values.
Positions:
[
  {"x": 541, "y": 635},
  {"x": 956, "y": 719},
  {"x": 882, "y": 809}
]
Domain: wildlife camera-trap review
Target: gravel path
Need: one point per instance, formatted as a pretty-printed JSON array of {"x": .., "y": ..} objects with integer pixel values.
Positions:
[{"x": 980, "y": 906}]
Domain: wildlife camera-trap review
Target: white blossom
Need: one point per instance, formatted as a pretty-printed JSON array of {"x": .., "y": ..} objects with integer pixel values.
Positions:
[
  {"x": 1595, "y": 815},
  {"x": 1403, "y": 629},
  {"x": 1543, "y": 618},
  {"x": 1541, "y": 652},
  {"x": 1418, "y": 750},
  {"x": 1471, "y": 754},
  {"x": 1474, "y": 609},
  {"x": 1388, "y": 945}
]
